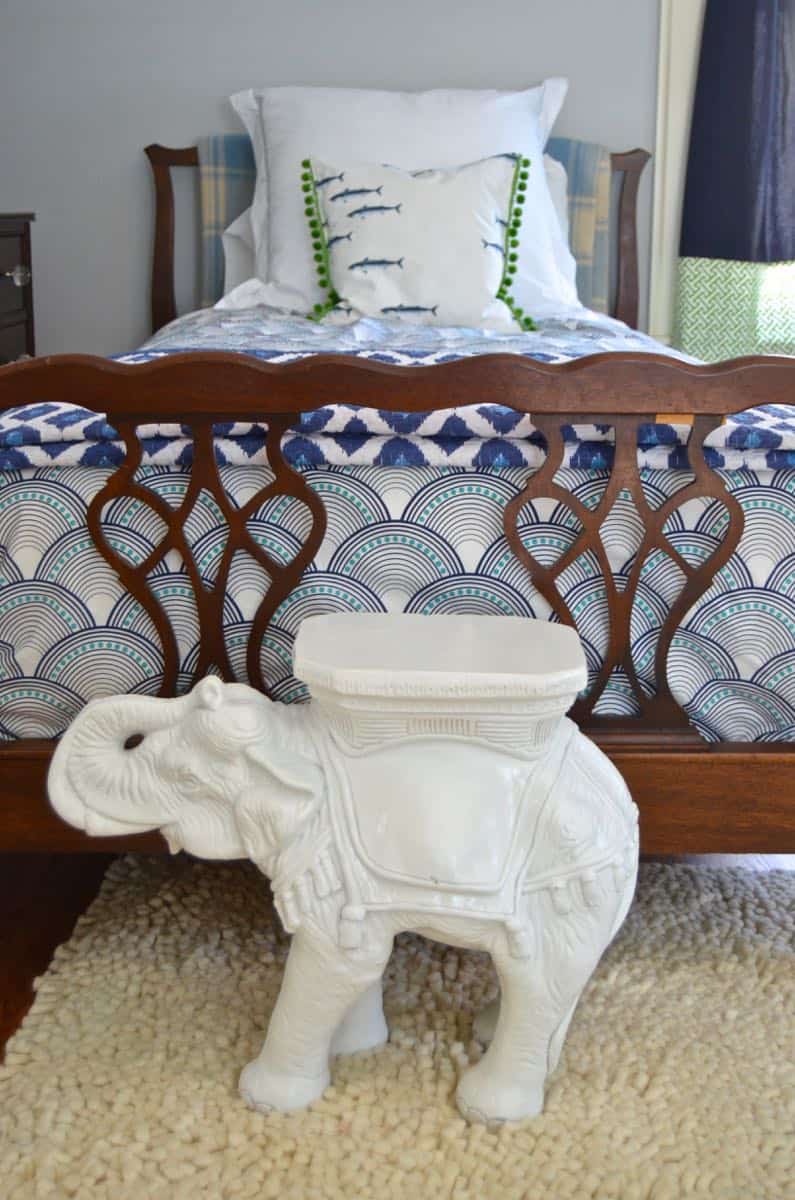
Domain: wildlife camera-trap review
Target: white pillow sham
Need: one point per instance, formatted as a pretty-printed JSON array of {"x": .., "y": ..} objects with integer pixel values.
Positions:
[
  {"x": 412, "y": 130},
  {"x": 429, "y": 247},
  {"x": 238, "y": 238}
]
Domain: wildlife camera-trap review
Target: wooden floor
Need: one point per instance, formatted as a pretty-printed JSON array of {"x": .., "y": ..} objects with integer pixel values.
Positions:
[{"x": 42, "y": 895}]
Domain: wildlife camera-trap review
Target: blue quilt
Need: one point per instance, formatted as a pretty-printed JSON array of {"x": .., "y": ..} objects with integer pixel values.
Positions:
[
  {"x": 485, "y": 435},
  {"x": 415, "y": 524}
]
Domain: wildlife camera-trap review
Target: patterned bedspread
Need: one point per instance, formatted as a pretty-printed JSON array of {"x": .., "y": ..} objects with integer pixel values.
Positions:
[
  {"x": 415, "y": 523},
  {"x": 483, "y": 435}
]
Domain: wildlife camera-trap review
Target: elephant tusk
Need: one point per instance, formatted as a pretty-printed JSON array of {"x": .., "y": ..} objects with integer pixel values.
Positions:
[{"x": 171, "y": 838}]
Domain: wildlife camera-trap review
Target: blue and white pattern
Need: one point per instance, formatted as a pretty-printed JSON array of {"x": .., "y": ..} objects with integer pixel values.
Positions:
[
  {"x": 421, "y": 538},
  {"x": 483, "y": 435},
  {"x": 398, "y": 539}
]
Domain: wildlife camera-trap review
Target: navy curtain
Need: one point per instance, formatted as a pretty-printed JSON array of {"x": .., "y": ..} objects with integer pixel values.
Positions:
[
  {"x": 740, "y": 192},
  {"x": 739, "y": 203}
]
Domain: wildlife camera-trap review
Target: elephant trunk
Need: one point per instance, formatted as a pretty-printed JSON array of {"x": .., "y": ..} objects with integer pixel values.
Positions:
[{"x": 96, "y": 781}]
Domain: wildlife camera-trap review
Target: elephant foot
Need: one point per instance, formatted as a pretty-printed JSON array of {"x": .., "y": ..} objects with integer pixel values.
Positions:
[
  {"x": 492, "y": 1099},
  {"x": 486, "y": 1022},
  {"x": 268, "y": 1090}
]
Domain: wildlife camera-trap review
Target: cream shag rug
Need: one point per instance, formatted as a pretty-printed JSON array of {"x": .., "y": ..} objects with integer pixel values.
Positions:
[{"x": 676, "y": 1080}]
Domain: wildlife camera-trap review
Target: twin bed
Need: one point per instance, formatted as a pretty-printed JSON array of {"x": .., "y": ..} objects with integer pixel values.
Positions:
[{"x": 182, "y": 509}]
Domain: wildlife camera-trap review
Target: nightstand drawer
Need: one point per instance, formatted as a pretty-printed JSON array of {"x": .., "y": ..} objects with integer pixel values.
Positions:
[
  {"x": 12, "y": 298},
  {"x": 13, "y": 342}
]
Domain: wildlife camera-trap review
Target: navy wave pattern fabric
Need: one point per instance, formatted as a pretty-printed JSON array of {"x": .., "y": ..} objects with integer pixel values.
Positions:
[
  {"x": 415, "y": 506},
  {"x": 482, "y": 435},
  {"x": 420, "y": 540}
]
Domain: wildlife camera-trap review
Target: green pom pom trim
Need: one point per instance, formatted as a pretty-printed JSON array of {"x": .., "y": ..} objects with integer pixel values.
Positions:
[
  {"x": 314, "y": 213},
  {"x": 513, "y": 225}
]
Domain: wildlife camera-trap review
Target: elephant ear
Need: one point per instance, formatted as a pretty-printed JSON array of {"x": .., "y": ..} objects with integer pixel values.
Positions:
[
  {"x": 280, "y": 802},
  {"x": 292, "y": 771}
]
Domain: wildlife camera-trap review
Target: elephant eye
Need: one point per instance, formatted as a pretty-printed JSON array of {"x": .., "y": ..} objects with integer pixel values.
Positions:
[{"x": 133, "y": 740}]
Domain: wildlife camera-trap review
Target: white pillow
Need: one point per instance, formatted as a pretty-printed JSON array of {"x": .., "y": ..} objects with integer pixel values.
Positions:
[
  {"x": 558, "y": 184},
  {"x": 238, "y": 244},
  {"x": 238, "y": 238},
  {"x": 412, "y": 130},
  {"x": 427, "y": 247}
]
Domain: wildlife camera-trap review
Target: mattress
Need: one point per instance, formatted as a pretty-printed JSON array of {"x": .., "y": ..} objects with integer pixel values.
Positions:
[{"x": 415, "y": 506}]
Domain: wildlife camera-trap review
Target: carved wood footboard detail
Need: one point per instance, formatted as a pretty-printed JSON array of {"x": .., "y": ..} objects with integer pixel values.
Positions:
[
  {"x": 693, "y": 795},
  {"x": 209, "y": 600},
  {"x": 658, "y": 710}
]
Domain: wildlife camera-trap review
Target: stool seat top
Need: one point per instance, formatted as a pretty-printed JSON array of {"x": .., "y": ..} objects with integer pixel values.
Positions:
[{"x": 465, "y": 656}]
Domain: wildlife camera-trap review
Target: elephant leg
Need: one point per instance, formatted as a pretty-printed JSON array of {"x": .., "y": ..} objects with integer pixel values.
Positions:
[
  {"x": 558, "y": 1038},
  {"x": 508, "y": 1082},
  {"x": 485, "y": 1024},
  {"x": 363, "y": 1027},
  {"x": 321, "y": 983},
  {"x": 538, "y": 996}
]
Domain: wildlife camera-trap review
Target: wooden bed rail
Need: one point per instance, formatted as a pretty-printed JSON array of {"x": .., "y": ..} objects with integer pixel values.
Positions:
[
  {"x": 628, "y": 166},
  {"x": 693, "y": 795}
]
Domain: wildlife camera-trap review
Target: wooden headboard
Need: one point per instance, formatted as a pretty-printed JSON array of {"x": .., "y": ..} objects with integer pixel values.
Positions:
[{"x": 627, "y": 168}]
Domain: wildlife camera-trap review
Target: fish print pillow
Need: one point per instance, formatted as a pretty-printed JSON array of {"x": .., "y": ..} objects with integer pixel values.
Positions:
[{"x": 432, "y": 247}]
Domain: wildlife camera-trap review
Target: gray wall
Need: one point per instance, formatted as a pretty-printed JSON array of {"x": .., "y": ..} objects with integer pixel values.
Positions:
[{"x": 85, "y": 84}]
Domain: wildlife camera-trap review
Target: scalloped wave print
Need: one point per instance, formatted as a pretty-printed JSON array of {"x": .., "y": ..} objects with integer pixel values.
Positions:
[{"x": 425, "y": 540}]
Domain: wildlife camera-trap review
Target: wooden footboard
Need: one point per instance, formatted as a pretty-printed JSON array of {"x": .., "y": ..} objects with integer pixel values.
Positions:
[{"x": 693, "y": 796}]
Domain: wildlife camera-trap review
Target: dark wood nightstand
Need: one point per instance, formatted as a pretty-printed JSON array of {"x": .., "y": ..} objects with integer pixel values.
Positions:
[{"x": 16, "y": 287}]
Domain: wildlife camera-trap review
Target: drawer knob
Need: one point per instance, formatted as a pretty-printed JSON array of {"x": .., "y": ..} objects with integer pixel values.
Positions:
[{"x": 20, "y": 275}]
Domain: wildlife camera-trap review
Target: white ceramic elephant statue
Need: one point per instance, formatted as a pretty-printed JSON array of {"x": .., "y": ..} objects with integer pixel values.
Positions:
[{"x": 530, "y": 855}]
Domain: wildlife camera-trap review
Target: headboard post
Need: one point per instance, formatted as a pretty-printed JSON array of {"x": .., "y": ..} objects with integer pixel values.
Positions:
[
  {"x": 162, "y": 159},
  {"x": 630, "y": 165}
]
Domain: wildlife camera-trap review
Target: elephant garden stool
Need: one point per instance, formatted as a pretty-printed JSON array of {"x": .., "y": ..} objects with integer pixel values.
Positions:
[{"x": 433, "y": 784}]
